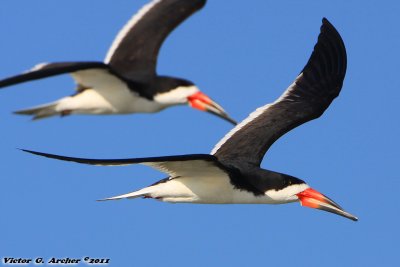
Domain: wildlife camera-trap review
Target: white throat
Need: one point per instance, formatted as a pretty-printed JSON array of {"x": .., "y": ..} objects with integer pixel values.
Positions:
[
  {"x": 176, "y": 96},
  {"x": 287, "y": 194}
]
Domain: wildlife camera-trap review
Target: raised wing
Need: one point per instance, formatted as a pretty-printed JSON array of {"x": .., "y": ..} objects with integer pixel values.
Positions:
[
  {"x": 45, "y": 70},
  {"x": 174, "y": 166},
  {"x": 135, "y": 49},
  {"x": 306, "y": 99}
]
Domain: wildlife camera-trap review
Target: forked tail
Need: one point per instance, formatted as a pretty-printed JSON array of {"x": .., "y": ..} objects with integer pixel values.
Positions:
[
  {"x": 40, "y": 112},
  {"x": 140, "y": 193}
]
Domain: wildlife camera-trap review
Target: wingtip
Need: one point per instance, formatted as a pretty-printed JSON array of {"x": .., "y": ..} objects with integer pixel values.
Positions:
[
  {"x": 46, "y": 155},
  {"x": 32, "y": 152},
  {"x": 26, "y": 150},
  {"x": 326, "y": 23}
]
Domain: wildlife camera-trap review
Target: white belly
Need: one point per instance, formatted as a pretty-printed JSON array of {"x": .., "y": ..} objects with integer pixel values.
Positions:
[
  {"x": 98, "y": 101},
  {"x": 107, "y": 94},
  {"x": 212, "y": 190}
]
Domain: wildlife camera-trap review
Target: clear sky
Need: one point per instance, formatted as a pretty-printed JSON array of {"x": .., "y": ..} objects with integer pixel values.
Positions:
[{"x": 243, "y": 54}]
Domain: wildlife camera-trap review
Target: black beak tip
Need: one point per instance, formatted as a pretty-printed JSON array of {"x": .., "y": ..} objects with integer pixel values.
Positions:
[
  {"x": 232, "y": 121},
  {"x": 226, "y": 117},
  {"x": 223, "y": 116}
]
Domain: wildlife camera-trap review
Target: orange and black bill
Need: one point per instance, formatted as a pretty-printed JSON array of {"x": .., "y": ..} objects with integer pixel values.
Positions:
[
  {"x": 202, "y": 102},
  {"x": 314, "y": 199}
]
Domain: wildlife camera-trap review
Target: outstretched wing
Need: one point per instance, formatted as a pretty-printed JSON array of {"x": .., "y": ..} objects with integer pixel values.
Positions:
[
  {"x": 306, "y": 99},
  {"x": 135, "y": 49},
  {"x": 174, "y": 166},
  {"x": 45, "y": 70}
]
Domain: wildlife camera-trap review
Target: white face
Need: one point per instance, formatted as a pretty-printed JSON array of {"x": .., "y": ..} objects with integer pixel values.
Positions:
[
  {"x": 176, "y": 96},
  {"x": 288, "y": 194}
]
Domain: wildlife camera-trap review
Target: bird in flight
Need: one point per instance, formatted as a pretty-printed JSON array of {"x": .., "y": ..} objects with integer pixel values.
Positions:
[
  {"x": 126, "y": 82},
  {"x": 231, "y": 173}
]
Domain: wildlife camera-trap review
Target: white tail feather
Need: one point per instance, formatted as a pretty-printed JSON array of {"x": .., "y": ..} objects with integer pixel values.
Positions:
[
  {"x": 40, "y": 112},
  {"x": 140, "y": 193}
]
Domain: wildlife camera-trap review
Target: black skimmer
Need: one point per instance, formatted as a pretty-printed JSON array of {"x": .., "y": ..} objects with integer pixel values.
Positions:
[
  {"x": 126, "y": 82},
  {"x": 232, "y": 173}
]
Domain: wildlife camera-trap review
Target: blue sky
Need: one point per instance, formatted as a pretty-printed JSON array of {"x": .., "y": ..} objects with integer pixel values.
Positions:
[{"x": 243, "y": 54}]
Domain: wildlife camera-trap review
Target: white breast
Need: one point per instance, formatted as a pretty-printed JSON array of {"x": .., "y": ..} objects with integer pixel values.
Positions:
[
  {"x": 107, "y": 94},
  {"x": 211, "y": 190}
]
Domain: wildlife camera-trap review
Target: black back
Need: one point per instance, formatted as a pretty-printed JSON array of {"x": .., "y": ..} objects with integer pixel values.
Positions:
[
  {"x": 253, "y": 179},
  {"x": 148, "y": 88}
]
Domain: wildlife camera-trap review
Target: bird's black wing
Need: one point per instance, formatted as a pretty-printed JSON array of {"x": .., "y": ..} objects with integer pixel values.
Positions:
[
  {"x": 175, "y": 166},
  {"x": 135, "y": 49},
  {"x": 306, "y": 99},
  {"x": 45, "y": 70}
]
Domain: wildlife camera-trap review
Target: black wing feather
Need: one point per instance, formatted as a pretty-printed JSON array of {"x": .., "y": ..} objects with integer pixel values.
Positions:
[
  {"x": 137, "y": 52},
  {"x": 51, "y": 69},
  {"x": 116, "y": 162},
  {"x": 306, "y": 99}
]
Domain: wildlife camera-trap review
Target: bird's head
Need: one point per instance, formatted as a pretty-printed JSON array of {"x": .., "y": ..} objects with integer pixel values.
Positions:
[
  {"x": 181, "y": 92},
  {"x": 287, "y": 188}
]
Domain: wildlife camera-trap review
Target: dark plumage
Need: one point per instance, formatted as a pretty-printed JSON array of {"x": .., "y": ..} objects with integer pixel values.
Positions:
[
  {"x": 232, "y": 173},
  {"x": 127, "y": 81}
]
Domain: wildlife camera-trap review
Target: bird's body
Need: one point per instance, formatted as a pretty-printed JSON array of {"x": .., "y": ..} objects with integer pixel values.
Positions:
[
  {"x": 232, "y": 173},
  {"x": 213, "y": 189},
  {"x": 98, "y": 99},
  {"x": 126, "y": 82},
  {"x": 217, "y": 189},
  {"x": 105, "y": 94}
]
